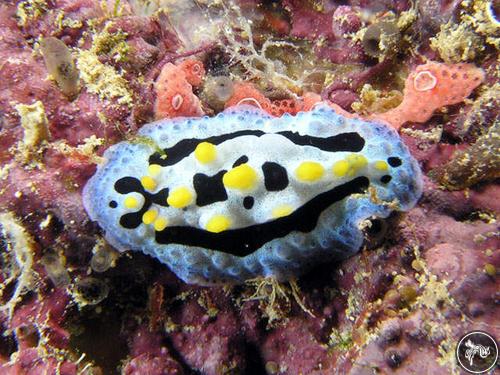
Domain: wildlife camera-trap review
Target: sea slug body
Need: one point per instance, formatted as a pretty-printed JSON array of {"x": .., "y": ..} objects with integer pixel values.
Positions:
[{"x": 244, "y": 194}]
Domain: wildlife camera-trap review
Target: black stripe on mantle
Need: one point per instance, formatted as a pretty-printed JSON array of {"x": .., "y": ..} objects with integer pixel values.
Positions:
[
  {"x": 244, "y": 241},
  {"x": 351, "y": 142}
]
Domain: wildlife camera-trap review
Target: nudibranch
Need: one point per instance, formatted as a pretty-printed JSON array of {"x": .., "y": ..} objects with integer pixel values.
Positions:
[{"x": 244, "y": 194}]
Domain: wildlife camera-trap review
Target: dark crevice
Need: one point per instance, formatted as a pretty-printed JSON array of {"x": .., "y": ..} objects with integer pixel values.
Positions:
[{"x": 255, "y": 362}]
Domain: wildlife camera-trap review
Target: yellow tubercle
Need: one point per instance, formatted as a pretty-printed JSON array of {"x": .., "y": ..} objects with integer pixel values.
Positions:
[
  {"x": 281, "y": 211},
  {"x": 218, "y": 223},
  {"x": 309, "y": 171},
  {"x": 381, "y": 165},
  {"x": 205, "y": 152},
  {"x": 131, "y": 202},
  {"x": 149, "y": 216},
  {"x": 242, "y": 177},
  {"x": 180, "y": 197},
  {"x": 148, "y": 183},
  {"x": 357, "y": 162},
  {"x": 154, "y": 170},
  {"x": 351, "y": 165},
  {"x": 160, "y": 224},
  {"x": 340, "y": 168}
]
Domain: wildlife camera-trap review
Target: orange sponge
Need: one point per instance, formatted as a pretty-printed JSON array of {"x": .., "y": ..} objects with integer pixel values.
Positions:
[
  {"x": 427, "y": 88},
  {"x": 292, "y": 106},
  {"x": 309, "y": 100},
  {"x": 194, "y": 71},
  {"x": 280, "y": 107},
  {"x": 431, "y": 86},
  {"x": 174, "y": 93},
  {"x": 246, "y": 93}
]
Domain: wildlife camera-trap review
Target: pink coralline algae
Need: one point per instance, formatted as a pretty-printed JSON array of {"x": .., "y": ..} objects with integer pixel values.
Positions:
[
  {"x": 246, "y": 93},
  {"x": 331, "y": 27},
  {"x": 70, "y": 304},
  {"x": 149, "y": 356}
]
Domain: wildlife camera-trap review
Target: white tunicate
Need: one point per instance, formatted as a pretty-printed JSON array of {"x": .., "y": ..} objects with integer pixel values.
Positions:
[
  {"x": 90, "y": 291},
  {"x": 217, "y": 90},
  {"x": 55, "y": 269},
  {"x": 60, "y": 65},
  {"x": 102, "y": 259}
]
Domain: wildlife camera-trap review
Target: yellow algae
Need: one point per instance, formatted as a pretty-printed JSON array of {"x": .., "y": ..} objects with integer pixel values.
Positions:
[
  {"x": 433, "y": 135},
  {"x": 465, "y": 40},
  {"x": 406, "y": 18},
  {"x": 19, "y": 255},
  {"x": 376, "y": 101},
  {"x": 341, "y": 340},
  {"x": 457, "y": 43},
  {"x": 149, "y": 142},
  {"x": 29, "y": 10},
  {"x": 481, "y": 107},
  {"x": 61, "y": 21},
  {"x": 490, "y": 269},
  {"x": 35, "y": 124},
  {"x": 36, "y": 131},
  {"x": 481, "y": 17},
  {"x": 275, "y": 299},
  {"x": 111, "y": 44},
  {"x": 479, "y": 162},
  {"x": 87, "y": 148},
  {"x": 89, "y": 145},
  {"x": 434, "y": 295},
  {"x": 117, "y": 9},
  {"x": 354, "y": 304},
  {"x": 103, "y": 80},
  {"x": 205, "y": 301},
  {"x": 434, "y": 292},
  {"x": 447, "y": 357}
]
